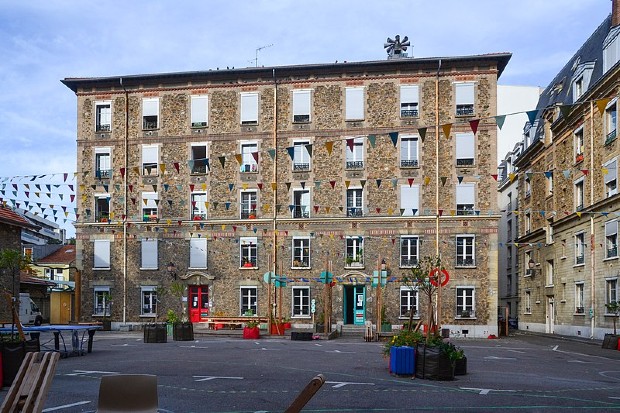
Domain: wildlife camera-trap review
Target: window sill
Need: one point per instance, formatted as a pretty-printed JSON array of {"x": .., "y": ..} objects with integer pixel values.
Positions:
[
  {"x": 301, "y": 122},
  {"x": 148, "y": 269},
  {"x": 563, "y": 257},
  {"x": 148, "y": 315},
  {"x": 563, "y": 301},
  {"x": 465, "y": 318},
  {"x": 354, "y": 267},
  {"x": 248, "y": 268},
  {"x": 466, "y": 266},
  {"x": 579, "y": 265},
  {"x": 150, "y": 130},
  {"x": 549, "y": 286},
  {"x": 527, "y": 313},
  {"x": 249, "y": 123},
  {"x": 579, "y": 314},
  {"x": 102, "y": 268},
  {"x": 301, "y": 317},
  {"x": 301, "y": 268},
  {"x": 609, "y": 315},
  {"x": 610, "y": 258},
  {"x": 527, "y": 276},
  {"x": 405, "y": 318},
  {"x": 198, "y": 268},
  {"x": 200, "y": 126}
]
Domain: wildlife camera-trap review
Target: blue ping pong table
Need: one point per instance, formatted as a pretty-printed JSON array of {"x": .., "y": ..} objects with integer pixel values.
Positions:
[{"x": 80, "y": 335}]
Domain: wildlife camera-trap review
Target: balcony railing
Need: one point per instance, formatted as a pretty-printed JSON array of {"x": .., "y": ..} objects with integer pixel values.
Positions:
[
  {"x": 299, "y": 212},
  {"x": 301, "y": 118},
  {"x": 103, "y": 173},
  {"x": 408, "y": 262},
  {"x": 408, "y": 163},
  {"x": 355, "y": 165},
  {"x": 612, "y": 252},
  {"x": 149, "y": 122},
  {"x": 408, "y": 113},
  {"x": 354, "y": 212},
  {"x": 301, "y": 167},
  {"x": 580, "y": 310},
  {"x": 465, "y": 162},
  {"x": 103, "y": 128},
  {"x": 464, "y": 110},
  {"x": 465, "y": 262},
  {"x": 580, "y": 259},
  {"x": 611, "y": 136}
]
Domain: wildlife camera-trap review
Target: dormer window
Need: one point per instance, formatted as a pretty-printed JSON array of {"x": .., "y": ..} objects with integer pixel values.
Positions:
[
  {"x": 581, "y": 79},
  {"x": 611, "y": 49}
]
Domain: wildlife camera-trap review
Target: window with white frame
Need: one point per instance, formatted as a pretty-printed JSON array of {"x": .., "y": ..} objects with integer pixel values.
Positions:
[
  {"x": 578, "y": 88},
  {"x": 464, "y": 99},
  {"x": 355, "y": 154},
  {"x": 301, "y": 252},
  {"x": 248, "y": 299},
  {"x": 301, "y": 105},
  {"x": 354, "y": 251},
  {"x": 611, "y": 121},
  {"x": 527, "y": 259},
  {"x": 611, "y": 46},
  {"x": 465, "y": 251},
  {"x": 54, "y": 274},
  {"x": 578, "y": 144},
  {"x": 408, "y": 301},
  {"x": 611, "y": 292},
  {"x": 579, "y": 192},
  {"x": 301, "y": 156},
  {"x": 199, "y": 206},
  {"x": 611, "y": 177},
  {"x": 150, "y": 201},
  {"x": 409, "y": 101},
  {"x": 301, "y": 203},
  {"x": 249, "y": 108},
  {"x": 103, "y": 115},
  {"x": 248, "y": 160},
  {"x": 580, "y": 248},
  {"x": 549, "y": 231},
  {"x": 149, "y": 254},
  {"x": 101, "y": 249},
  {"x": 465, "y": 199},
  {"x": 549, "y": 273},
  {"x": 409, "y": 251},
  {"x": 579, "y": 302},
  {"x": 101, "y": 301},
  {"x": 528, "y": 221},
  {"x": 527, "y": 302},
  {"x": 102, "y": 207},
  {"x": 465, "y": 149},
  {"x": 103, "y": 163},
  {"x": 355, "y": 202},
  {"x": 248, "y": 201},
  {"x": 198, "y": 252},
  {"x": 248, "y": 252},
  {"x": 149, "y": 300},
  {"x": 528, "y": 184},
  {"x": 465, "y": 302},
  {"x": 410, "y": 200},
  {"x": 199, "y": 111},
  {"x": 354, "y": 103},
  {"x": 549, "y": 183},
  {"x": 150, "y": 113},
  {"x": 301, "y": 302},
  {"x": 611, "y": 239},
  {"x": 409, "y": 151},
  {"x": 150, "y": 160},
  {"x": 198, "y": 157}
]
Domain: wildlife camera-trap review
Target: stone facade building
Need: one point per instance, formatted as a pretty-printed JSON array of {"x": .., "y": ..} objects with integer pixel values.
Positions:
[
  {"x": 568, "y": 202},
  {"x": 228, "y": 174}
]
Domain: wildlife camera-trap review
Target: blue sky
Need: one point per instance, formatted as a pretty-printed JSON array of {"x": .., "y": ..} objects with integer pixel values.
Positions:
[{"x": 42, "y": 42}]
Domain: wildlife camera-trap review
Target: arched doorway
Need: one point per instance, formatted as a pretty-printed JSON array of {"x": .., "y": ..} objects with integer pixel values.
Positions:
[
  {"x": 199, "y": 297},
  {"x": 354, "y": 298}
]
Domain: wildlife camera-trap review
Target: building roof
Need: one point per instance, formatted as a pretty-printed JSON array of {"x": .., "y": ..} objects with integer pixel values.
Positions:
[
  {"x": 63, "y": 255},
  {"x": 24, "y": 278},
  {"x": 10, "y": 217},
  {"x": 429, "y": 64}
]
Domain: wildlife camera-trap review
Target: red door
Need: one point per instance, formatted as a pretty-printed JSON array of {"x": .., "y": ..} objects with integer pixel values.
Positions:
[{"x": 198, "y": 303}]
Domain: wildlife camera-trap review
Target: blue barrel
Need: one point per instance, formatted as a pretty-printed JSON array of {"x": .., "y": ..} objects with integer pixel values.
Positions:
[{"x": 402, "y": 360}]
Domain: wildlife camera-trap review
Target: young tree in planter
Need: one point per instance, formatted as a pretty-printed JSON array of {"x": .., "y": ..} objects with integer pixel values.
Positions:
[
  {"x": 614, "y": 308},
  {"x": 14, "y": 261}
]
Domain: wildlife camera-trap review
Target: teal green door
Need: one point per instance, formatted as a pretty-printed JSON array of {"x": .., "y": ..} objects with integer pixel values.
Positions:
[{"x": 359, "y": 302}]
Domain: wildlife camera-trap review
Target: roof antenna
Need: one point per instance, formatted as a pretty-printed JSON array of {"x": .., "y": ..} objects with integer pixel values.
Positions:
[{"x": 255, "y": 60}]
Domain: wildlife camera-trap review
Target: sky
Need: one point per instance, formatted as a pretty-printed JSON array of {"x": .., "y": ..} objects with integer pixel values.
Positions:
[{"x": 44, "y": 41}]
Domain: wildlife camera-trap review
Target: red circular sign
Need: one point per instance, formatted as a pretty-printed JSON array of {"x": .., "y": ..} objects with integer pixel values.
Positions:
[{"x": 433, "y": 277}]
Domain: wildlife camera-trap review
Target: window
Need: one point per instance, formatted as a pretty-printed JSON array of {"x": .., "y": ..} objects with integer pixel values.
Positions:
[
  {"x": 578, "y": 88},
  {"x": 611, "y": 121},
  {"x": 509, "y": 256},
  {"x": 549, "y": 231},
  {"x": 409, "y": 152},
  {"x": 102, "y": 207},
  {"x": 103, "y": 114},
  {"x": 580, "y": 248},
  {"x": 409, "y": 251},
  {"x": 249, "y": 108},
  {"x": 578, "y": 144},
  {"x": 355, "y": 154},
  {"x": 610, "y": 170},
  {"x": 410, "y": 199},
  {"x": 464, "y": 99},
  {"x": 54, "y": 274},
  {"x": 198, "y": 163},
  {"x": 611, "y": 239},
  {"x": 103, "y": 163},
  {"x": 549, "y": 183},
  {"x": 409, "y": 99},
  {"x": 354, "y": 202},
  {"x": 465, "y": 199},
  {"x": 528, "y": 184},
  {"x": 199, "y": 206},
  {"x": 549, "y": 269},
  {"x": 200, "y": 111},
  {"x": 149, "y": 301},
  {"x": 248, "y": 252},
  {"x": 248, "y": 300},
  {"x": 579, "y": 194},
  {"x": 465, "y": 251},
  {"x": 149, "y": 206},
  {"x": 101, "y": 249},
  {"x": 301, "y": 106},
  {"x": 465, "y": 148},
  {"x": 354, "y": 103},
  {"x": 527, "y": 302},
  {"x": 579, "y": 303},
  {"x": 465, "y": 304},
  {"x": 198, "y": 253},
  {"x": 528, "y": 222},
  {"x": 355, "y": 252},
  {"x": 301, "y": 252},
  {"x": 301, "y": 156},
  {"x": 611, "y": 291},
  {"x": 149, "y": 254},
  {"x": 526, "y": 263},
  {"x": 610, "y": 49},
  {"x": 102, "y": 301},
  {"x": 248, "y": 204},
  {"x": 248, "y": 161},
  {"x": 150, "y": 113},
  {"x": 150, "y": 160},
  {"x": 301, "y": 203},
  {"x": 301, "y": 302},
  {"x": 408, "y": 301}
]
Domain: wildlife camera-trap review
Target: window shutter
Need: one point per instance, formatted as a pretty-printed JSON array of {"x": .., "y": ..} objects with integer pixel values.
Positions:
[
  {"x": 249, "y": 107},
  {"x": 409, "y": 94},
  {"x": 464, "y": 93},
  {"x": 612, "y": 171},
  {"x": 611, "y": 228},
  {"x": 198, "y": 253},
  {"x": 465, "y": 194},
  {"x": 200, "y": 105},
  {"x": 354, "y": 103},
  {"x": 102, "y": 254},
  {"x": 409, "y": 199},
  {"x": 301, "y": 102},
  {"x": 464, "y": 146},
  {"x": 150, "y": 154},
  {"x": 150, "y": 107},
  {"x": 149, "y": 253},
  {"x": 150, "y": 198}
]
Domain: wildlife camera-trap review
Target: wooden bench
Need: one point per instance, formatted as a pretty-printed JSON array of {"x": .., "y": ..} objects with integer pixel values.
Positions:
[{"x": 232, "y": 322}]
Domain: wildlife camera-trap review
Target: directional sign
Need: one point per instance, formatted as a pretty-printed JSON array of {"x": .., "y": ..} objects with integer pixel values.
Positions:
[
  {"x": 326, "y": 277},
  {"x": 269, "y": 276}
]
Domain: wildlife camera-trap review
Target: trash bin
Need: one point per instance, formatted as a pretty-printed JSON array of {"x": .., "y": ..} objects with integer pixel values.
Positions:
[
  {"x": 402, "y": 360},
  {"x": 445, "y": 333}
]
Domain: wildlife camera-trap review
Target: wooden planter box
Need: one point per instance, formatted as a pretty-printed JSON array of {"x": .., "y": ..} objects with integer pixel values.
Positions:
[
  {"x": 155, "y": 333},
  {"x": 276, "y": 329},
  {"x": 460, "y": 367},
  {"x": 13, "y": 355},
  {"x": 183, "y": 331},
  {"x": 610, "y": 341},
  {"x": 251, "y": 333}
]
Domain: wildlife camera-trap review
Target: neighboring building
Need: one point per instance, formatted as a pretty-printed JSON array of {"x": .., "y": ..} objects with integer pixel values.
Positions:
[
  {"x": 45, "y": 231},
  {"x": 191, "y": 169},
  {"x": 59, "y": 268},
  {"x": 568, "y": 202}
]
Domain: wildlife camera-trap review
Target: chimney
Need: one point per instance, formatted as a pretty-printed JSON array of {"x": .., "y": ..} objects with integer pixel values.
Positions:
[{"x": 615, "y": 13}]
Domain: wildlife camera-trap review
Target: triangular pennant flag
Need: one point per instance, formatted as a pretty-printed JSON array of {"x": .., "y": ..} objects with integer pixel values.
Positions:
[
  {"x": 350, "y": 144},
  {"x": 166, "y": 186},
  {"x": 604, "y": 170},
  {"x": 422, "y": 132},
  {"x": 566, "y": 173},
  {"x": 529, "y": 175},
  {"x": 494, "y": 176},
  {"x": 341, "y": 208},
  {"x": 460, "y": 179},
  {"x": 446, "y": 129},
  {"x": 255, "y": 156},
  {"x": 347, "y": 183},
  {"x": 227, "y": 205},
  {"x": 176, "y": 166},
  {"x": 272, "y": 153},
  {"x": 601, "y": 104},
  {"x": 372, "y": 139},
  {"x": 190, "y": 164},
  {"x": 309, "y": 149},
  {"x": 378, "y": 183},
  {"x": 207, "y": 163},
  {"x": 585, "y": 172},
  {"x": 274, "y": 186},
  {"x": 548, "y": 174},
  {"x": 222, "y": 160},
  {"x": 260, "y": 186},
  {"x": 316, "y": 209},
  {"x": 329, "y": 146},
  {"x": 123, "y": 172},
  {"x": 278, "y": 208},
  {"x": 415, "y": 211},
  {"x": 378, "y": 210},
  {"x": 410, "y": 180},
  {"x": 288, "y": 186},
  {"x": 443, "y": 180},
  {"x": 499, "y": 120},
  {"x": 440, "y": 212},
  {"x": 579, "y": 214},
  {"x": 427, "y": 180},
  {"x": 362, "y": 183},
  {"x": 394, "y": 138},
  {"x": 244, "y": 186},
  {"x": 473, "y": 124},
  {"x": 565, "y": 110},
  {"x": 317, "y": 184},
  {"x": 191, "y": 187},
  {"x": 531, "y": 115},
  {"x": 239, "y": 158},
  {"x": 231, "y": 186},
  {"x": 327, "y": 209},
  {"x": 162, "y": 168},
  {"x": 394, "y": 182},
  {"x": 291, "y": 152},
  {"x": 303, "y": 185},
  {"x": 332, "y": 183}
]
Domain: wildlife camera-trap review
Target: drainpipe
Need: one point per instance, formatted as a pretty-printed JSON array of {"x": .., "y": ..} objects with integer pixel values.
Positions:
[
  {"x": 125, "y": 202},
  {"x": 274, "y": 224},
  {"x": 438, "y": 310},
  {"x": 592, "y": 241}
]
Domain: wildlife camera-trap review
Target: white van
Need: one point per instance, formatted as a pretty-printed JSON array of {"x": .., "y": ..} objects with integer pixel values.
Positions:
[{"x": 29, "y": 312}]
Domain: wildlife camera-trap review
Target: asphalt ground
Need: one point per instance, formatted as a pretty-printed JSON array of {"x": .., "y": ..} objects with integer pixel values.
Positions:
[{"x": 524, "y": 372}]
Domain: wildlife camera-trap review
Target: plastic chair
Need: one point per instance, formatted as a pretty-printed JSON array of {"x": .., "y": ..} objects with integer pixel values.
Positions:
[{"x": 128, "y": 393}]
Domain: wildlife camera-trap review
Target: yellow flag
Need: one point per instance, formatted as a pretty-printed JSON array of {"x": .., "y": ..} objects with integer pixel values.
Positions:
[
  {"x": 601, "y": 104},
  {"x": 329, "y": 146},
  {"x": 446, "y": 129}
]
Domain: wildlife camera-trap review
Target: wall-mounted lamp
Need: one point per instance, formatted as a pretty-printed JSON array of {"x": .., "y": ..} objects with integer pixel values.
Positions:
[
  {"x": 383, "y": 264},
  {"x": 172, "y": 270}
]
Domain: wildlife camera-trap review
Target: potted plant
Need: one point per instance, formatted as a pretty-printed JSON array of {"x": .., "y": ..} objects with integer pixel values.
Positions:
[
  {"x": 287, "y": 323},
  {"x": 400, "y": 350},
  {"x": 610, "y": 341},
  {"x": 252, "y": 214},
  {"x": 247, "y": 263},
  {"x": 156, "y": 332},
  {"x": 386, "y": 326},
  {"x": 251, "y": 330},
  {"x": 106, "y": 321},
  {"x": 182, "y": 328},
  {"x": 436, "y": 359}
]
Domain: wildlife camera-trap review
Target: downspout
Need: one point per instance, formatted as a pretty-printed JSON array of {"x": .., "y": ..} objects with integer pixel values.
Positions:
[
  {"x": 438, "y": 311},
  {"x": 126, "y": 161},
  {"x": 274, "y": 224},
  {"x": 592, "y": 241}
]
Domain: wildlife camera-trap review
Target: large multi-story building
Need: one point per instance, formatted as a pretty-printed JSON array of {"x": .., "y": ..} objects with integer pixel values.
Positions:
[
  {"x": 568, "y": 202},
  {"x": 220, "y": 177}
]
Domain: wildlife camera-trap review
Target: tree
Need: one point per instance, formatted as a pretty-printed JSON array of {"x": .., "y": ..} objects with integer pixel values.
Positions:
[
  {"x": 13, "y": 261},
  {"x": 614, "y": 308}
]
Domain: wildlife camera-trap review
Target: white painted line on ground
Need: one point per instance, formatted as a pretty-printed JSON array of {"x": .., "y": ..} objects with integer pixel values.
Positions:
[
  {"x": 193, "y": 347},
  {"x": 517, "y": 351},
  {"x": 555, "y": 348},
  {"x": 85, "y": 372},
  {"x": 207, "y": 378},
  {"x": 66, "y": 406},
  {"x": 339, "y": 384},
  {"x": 338, "y": 351},
  {"x": 485, "y": 391},
  {"x": 499, "y": 358}
]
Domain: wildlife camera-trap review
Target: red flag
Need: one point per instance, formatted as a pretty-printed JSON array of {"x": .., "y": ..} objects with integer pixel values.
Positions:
[
  {"x": 473, "y": 124},
  {"x": 410, "y": 180},
  {"x": 332, "y": 183},
  {"x": 494, "y": 176}
]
